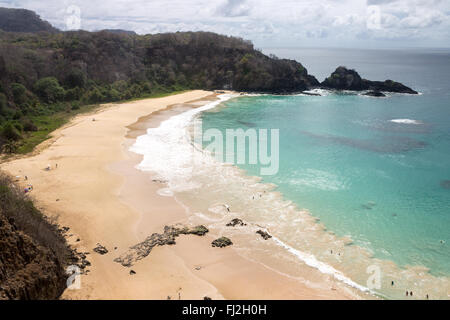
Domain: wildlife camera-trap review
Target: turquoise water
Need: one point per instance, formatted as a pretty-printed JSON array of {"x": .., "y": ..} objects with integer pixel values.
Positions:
[{"x": 381, "y": 183}]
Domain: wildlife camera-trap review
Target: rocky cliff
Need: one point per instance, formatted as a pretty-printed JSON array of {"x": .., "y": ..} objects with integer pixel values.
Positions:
[
  {"x": 33, "y": 254},
  {"x": 346, "y": 79},
  {"x": 27, "y": 270}
]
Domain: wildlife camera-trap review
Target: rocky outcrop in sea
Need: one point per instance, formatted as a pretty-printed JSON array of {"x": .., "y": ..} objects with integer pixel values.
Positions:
[{"x": 348, "y": 79}]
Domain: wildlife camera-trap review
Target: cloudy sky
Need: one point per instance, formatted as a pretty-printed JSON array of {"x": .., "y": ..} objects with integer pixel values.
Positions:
[{"x": 268, "y": 23}]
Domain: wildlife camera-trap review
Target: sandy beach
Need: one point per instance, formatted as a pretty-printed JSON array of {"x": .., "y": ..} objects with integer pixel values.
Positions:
[{"x": 94, "y": 189}]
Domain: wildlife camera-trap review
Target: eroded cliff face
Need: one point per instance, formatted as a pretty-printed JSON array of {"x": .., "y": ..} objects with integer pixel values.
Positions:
[
  {"x": 33, "y": 251},
  {"x": 27, "y": 270}
]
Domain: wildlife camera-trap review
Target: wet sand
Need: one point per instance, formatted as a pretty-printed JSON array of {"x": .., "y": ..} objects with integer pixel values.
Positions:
[{"x": 98, "y": 193}]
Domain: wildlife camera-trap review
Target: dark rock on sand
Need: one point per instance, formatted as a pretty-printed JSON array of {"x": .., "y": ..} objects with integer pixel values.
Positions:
[
  {"x": 206, "y": 298},
  {"x": 222, "y": 242},
  {"x": 445, "y": 184},
  {"x": 347, "y": 79},
  {"x": 198, "y": 230},
  {"x": 159, "y": 181},
  {"x": 374, "y": 94},
  {"x": 84, "y": 263},
  {"x": 264, "y": 234},
  {"x": 236, "y": 222},
  {"x": 132, "y": 272},
  {"x": 100, "y": 249},
  {"x": 143, "y": 249},
  {"x": 79, "y": 259}
]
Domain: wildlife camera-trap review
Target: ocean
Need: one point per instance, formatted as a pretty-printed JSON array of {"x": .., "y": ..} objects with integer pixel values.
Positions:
[{"x": 363, "y": 186}]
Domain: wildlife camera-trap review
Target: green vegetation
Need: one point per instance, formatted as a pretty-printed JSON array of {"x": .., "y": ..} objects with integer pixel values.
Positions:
[
  {"x": 49, "y": 90},
  {"x": 22, "y": 20},
  {"x": 46, "y": 77},
  {"x": 31, "y": 116},
  {"x": 45, "y": 124}
]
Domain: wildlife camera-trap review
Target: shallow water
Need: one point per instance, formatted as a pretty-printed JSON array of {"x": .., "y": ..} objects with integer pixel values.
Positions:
[
  {"x": 371, "y": 172},
  {"x": 363, "y": 175}
]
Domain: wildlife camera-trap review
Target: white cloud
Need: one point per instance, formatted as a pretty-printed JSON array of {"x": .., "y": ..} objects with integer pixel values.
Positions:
[
  {"x": 267, "y": 22},
  {"x": 234, "y": 8}
]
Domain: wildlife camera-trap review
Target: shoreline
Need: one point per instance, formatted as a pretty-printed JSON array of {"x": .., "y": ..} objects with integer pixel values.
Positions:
[
  {"x": 330, "y": 253},
  {"x": 104, "y": 199}
]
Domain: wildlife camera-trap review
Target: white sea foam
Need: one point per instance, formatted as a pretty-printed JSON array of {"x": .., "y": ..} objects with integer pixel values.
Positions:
[
  {"x": 312, "y": 261},
  {"x": 322, "y": 92},
  {"x": 254, "y": 94},
  {"x": 406, "y": 121},
  {"x": 318, "y": 179},
  {"x": 165, "y": 192},
  {"x": 168, "y": 151}
]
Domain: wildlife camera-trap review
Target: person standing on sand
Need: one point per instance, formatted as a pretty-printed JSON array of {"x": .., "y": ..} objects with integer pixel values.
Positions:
[{"x": 28, "y": 188}]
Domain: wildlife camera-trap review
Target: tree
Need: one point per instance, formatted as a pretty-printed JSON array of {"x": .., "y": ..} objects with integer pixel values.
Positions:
[
  {"x": 19, "y": 93},
  {"x": 94, "y": 96},
  {"x": 9, "y": 147},
  {"x": 3, "y": 103},
  {"x": 28, "y": 125},
  {"x": 73, "y": 94},
  {"x": 10, "y": 132},
  {"x": 75, "y": 78},
  {"x": 113, "y": 95},
  {"x": 49, "y": 90}
]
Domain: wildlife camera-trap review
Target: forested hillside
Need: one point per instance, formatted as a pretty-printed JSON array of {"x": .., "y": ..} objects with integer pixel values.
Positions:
[
  {"x": 22, "y": 20},
  {"x": 45, "y": 72}
]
